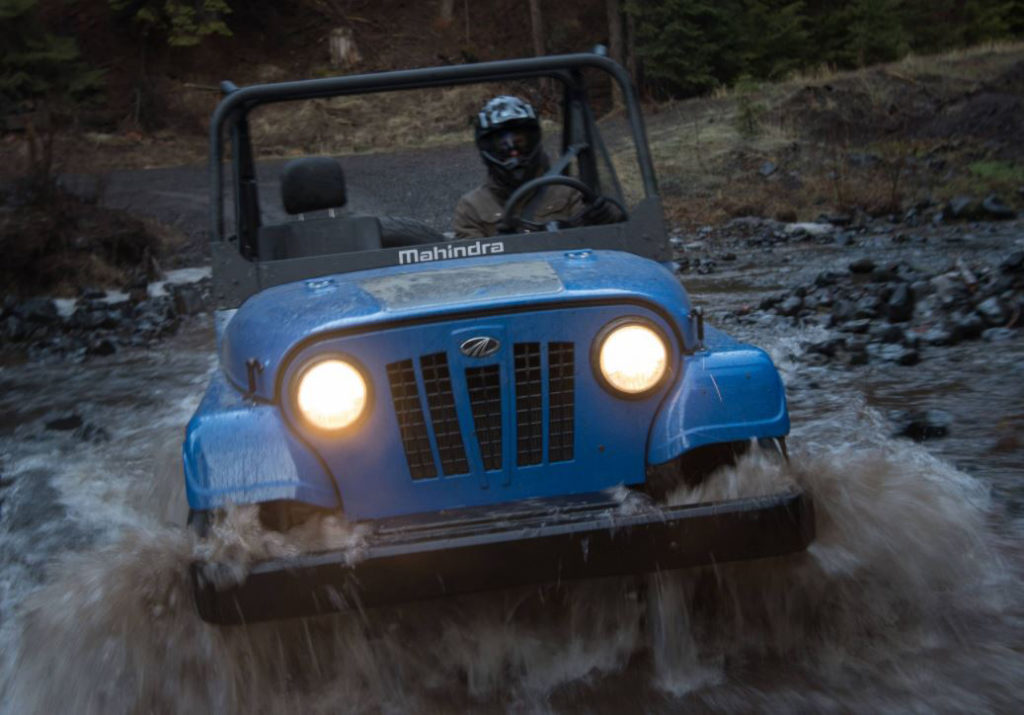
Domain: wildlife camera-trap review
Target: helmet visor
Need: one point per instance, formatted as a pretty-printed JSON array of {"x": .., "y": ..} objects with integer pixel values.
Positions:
[{"x": 512, "y": 143}]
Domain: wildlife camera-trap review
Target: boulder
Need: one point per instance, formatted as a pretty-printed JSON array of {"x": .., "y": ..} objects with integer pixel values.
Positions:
[
  {"x": 996, "y": 209},
  {"x": 998, "y": 335},
  {"x": 961, "y": 208},
  {"x": 39, "y": 310},
  {"x": 1014, "y": 263},
  {"x": 862, "y": 265},
  {"x": 900, "y": 307},
  {"x": 992, "y": 311},
  {"x": 790, "y": 306}
]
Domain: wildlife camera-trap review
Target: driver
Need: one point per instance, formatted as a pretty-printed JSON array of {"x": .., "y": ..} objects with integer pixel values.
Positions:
[{"x": 509, "y": 140}]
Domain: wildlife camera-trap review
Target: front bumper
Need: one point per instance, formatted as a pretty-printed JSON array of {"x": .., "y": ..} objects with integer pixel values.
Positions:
[{"x": 537, "y": 543}]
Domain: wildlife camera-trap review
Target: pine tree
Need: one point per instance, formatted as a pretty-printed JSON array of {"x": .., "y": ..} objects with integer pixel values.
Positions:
[
  {"x": 686, "y": 46},
  {"x": 774, "y": 38},
  {"x": 38, "y": 67},
  {"x": 183, "y": 23},
  {"x": 875, "y": 32}
]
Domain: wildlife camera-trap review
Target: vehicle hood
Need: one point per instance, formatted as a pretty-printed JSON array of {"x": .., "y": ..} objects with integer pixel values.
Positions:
[{"x": 269, "y": 325}]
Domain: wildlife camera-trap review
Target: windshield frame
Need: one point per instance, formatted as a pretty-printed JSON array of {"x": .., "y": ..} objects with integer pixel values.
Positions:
[{"x": 236, "y": 277}]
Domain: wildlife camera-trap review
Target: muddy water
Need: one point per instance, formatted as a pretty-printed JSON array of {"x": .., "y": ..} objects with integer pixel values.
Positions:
[{"x": 912, "y": 596}]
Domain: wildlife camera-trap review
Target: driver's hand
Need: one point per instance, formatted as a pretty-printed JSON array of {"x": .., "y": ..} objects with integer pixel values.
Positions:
[{"x": 601, "y": 211}]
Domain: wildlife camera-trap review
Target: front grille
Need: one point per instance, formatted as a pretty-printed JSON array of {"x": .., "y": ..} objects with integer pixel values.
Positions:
[
  {"x": 438, "y": 383},
  {"x": 406, "y": 397},
  {"x": 561, "y": 401},
  {"x": 529, "y": 405},
  {"x": 538, "y": 394},
  {"x": 484, "y": 384}
]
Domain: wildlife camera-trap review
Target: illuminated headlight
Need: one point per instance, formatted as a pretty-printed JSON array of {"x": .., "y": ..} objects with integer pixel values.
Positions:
[
  {"x": 331, "y": 394},
  {"x": 632, "y": 358}
]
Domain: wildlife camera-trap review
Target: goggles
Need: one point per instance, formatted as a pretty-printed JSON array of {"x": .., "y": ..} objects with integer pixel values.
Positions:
[{"x": 508, "y": 144}]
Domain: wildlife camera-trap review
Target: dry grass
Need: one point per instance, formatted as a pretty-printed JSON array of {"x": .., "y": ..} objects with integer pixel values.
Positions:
[{"x": 868, "y": 140}]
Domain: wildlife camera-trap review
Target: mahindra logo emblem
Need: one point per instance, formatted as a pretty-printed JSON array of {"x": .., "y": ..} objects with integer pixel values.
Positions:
[{"x": 479, "y": 347}]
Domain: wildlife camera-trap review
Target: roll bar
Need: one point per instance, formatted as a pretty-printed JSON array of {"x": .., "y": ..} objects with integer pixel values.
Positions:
[{"x": 239, "y": 101}]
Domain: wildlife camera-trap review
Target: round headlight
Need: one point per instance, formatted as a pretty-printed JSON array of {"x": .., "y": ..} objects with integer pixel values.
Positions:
[
  {"x": 633, "y": 358},
  {"x": 331, "y": 394}
]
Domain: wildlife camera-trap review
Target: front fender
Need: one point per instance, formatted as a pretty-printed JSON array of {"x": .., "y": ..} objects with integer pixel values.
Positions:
[
  {"x": 730, "y": 391},
  {"x": 238, "y": 452}
]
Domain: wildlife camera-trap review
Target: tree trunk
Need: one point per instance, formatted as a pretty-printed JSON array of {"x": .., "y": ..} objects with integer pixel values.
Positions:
[
  {"x": 629, "y": 50},
  {"x": 615, "y": 43},
  {"x": 537, "y": 25}
]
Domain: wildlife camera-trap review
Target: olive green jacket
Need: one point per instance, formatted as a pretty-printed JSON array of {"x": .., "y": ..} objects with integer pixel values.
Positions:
[{"x": 478, "y": 213}]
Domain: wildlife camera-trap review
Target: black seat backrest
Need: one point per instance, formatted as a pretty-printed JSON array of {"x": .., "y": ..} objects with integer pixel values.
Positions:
[
  {"x": 311, "y": 184},
  {"x": 316, "y": 237}
]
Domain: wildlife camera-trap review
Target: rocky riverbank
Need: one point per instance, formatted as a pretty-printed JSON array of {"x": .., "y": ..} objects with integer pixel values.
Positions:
[{"x": 100, "y": 322}]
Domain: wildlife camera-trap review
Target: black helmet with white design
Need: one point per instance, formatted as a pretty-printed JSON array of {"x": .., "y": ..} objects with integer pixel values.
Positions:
[{"x": 508, "y": 137}]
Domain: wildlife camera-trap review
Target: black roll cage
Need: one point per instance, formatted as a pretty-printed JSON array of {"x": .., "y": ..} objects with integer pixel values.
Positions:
[{"x": 238, "y": 271}]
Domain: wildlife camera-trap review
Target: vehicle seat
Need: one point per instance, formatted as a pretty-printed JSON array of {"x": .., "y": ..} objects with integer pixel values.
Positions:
[{"x": 308, "y": 185}]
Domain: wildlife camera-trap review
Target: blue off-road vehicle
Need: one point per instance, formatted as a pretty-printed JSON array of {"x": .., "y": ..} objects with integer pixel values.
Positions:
[{"x": 491, "y": 412}]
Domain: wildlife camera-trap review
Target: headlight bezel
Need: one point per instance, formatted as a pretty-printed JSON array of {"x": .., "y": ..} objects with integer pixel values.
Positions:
[
  {"x": 598, "y": 343},
  {"x": 296, "y": 381}
]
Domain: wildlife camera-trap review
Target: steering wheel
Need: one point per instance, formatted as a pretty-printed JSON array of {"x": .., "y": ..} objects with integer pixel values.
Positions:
[{"x": 511, "y": 220}]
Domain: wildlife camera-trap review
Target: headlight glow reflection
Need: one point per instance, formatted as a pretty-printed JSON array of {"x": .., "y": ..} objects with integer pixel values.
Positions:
[
  {"x": 633, "y": 358},
  {"x": 332, "y": 394}
]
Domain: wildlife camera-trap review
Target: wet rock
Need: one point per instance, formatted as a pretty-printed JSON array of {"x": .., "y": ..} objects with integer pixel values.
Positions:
[
  {"x": 101, "y": 347},
  {"x": 767, "y": 169},
  {"x": 887, "y": 333},
  {"x": 961, "y": 208},
  {"x": 68, "y": 422},
  {"x": 938, "y": 336},
  {"x": 39, "y": 310},
  {"x": 826, "y": 279},
  {"x": 857, "y": 357},
  {"x": 790, "y": 306},
  {"x": 724, "y": 257},
  {"x": 1014, "y": 263},
  {"x": 92, "y": 294},
  {"x": 837, "y": 219},
  {"x": 995, "y": 208},
  {"x": 925, "y": 425},
  {"x": 12, "y": 329},
  {"x": 967, "y": 327},
  {"x": 870, "y": 306},
  {"x": 87, "y": 319},
  {"x": 842, "y": 312},
  {"x": 899, "y": 354},
  {"x": 998, "y": 335},
  {"x": 855, "y": 326},
  {"x": 991, "y": 311},
  {"x": 828, "y": 348},
  {"x": 769, "y": 302},
  {"x": 901, "y": 304},
  {"x": 862, "y": 265}
]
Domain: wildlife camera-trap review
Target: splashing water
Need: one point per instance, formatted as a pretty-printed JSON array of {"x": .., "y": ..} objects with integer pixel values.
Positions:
[
  {"x": 903, "y": 598},
  {"x": 909, "y": 598}
]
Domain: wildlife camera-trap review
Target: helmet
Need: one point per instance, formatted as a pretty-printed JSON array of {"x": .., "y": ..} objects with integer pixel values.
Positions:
[{"x": 508, "y": 137}]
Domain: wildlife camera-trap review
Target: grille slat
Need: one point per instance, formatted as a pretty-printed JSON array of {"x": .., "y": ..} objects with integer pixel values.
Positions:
[
  {"x": 529, "y": 406},
  {"x": 484, "y": 385},
  {"x": 406, "y": 398},
  {"x": 561, "y": 402},
  {"x": 438, "y": 385},
  {"x": 536, "y": 389}
]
